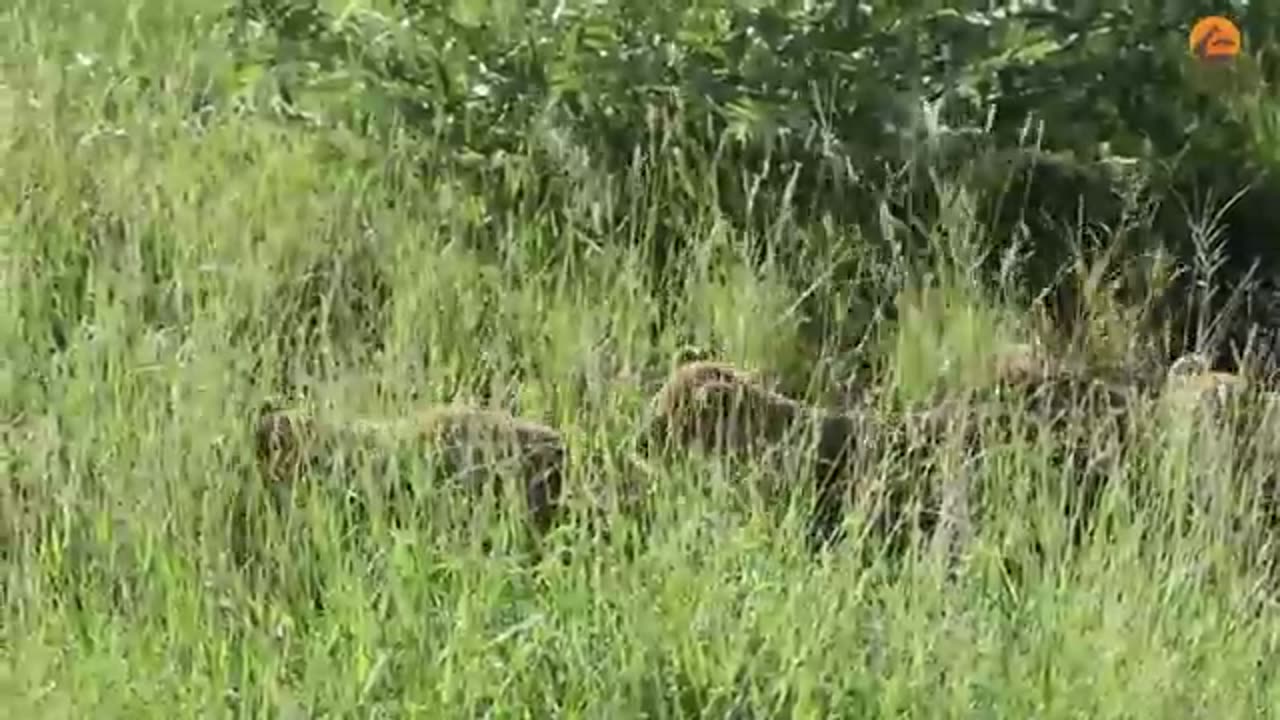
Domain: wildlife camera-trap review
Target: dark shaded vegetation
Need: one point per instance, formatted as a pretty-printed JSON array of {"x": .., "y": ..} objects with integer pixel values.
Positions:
[{"x": 1081, "y": 135}]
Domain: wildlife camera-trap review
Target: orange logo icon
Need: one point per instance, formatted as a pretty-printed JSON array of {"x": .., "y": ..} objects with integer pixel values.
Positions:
[{"x": 1215, "y": 38}]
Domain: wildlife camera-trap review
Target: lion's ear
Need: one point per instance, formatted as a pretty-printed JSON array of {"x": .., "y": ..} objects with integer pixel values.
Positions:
[
  {"x": 270, "y": 404},
  {"x": 690, "y": 353},
  {"x": 1188, "y": 365}
]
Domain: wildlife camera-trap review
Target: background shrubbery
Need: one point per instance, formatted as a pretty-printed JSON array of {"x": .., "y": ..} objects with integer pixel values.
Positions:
[
  {"x": 822, "y": 120},
  {"x": 533, "y": 206}
]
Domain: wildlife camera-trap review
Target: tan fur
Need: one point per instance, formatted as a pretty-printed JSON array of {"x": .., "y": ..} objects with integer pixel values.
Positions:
[
  {"x": 1191, "y": 378},
  {"x": 1196, "y": 370},
  {"x": 703, "y": 399},
  {"x": 468, "y": 442},
  {"x": 1021, "y": 363},
  {"x": 282, "y": 443},
  {"x": 718, "y": 408}
]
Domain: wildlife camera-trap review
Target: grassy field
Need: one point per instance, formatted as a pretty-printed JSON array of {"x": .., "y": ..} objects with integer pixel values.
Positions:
[{"x": 154, "y": 264}]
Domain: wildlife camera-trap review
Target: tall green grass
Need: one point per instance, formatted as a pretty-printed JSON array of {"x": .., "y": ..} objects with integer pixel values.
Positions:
[{"x": 165, "y": 271}]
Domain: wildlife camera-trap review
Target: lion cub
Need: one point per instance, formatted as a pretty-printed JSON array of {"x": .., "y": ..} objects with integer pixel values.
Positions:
[
  {"x": 469, "y": 443},
  {"x": 721, "y": 409}
]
